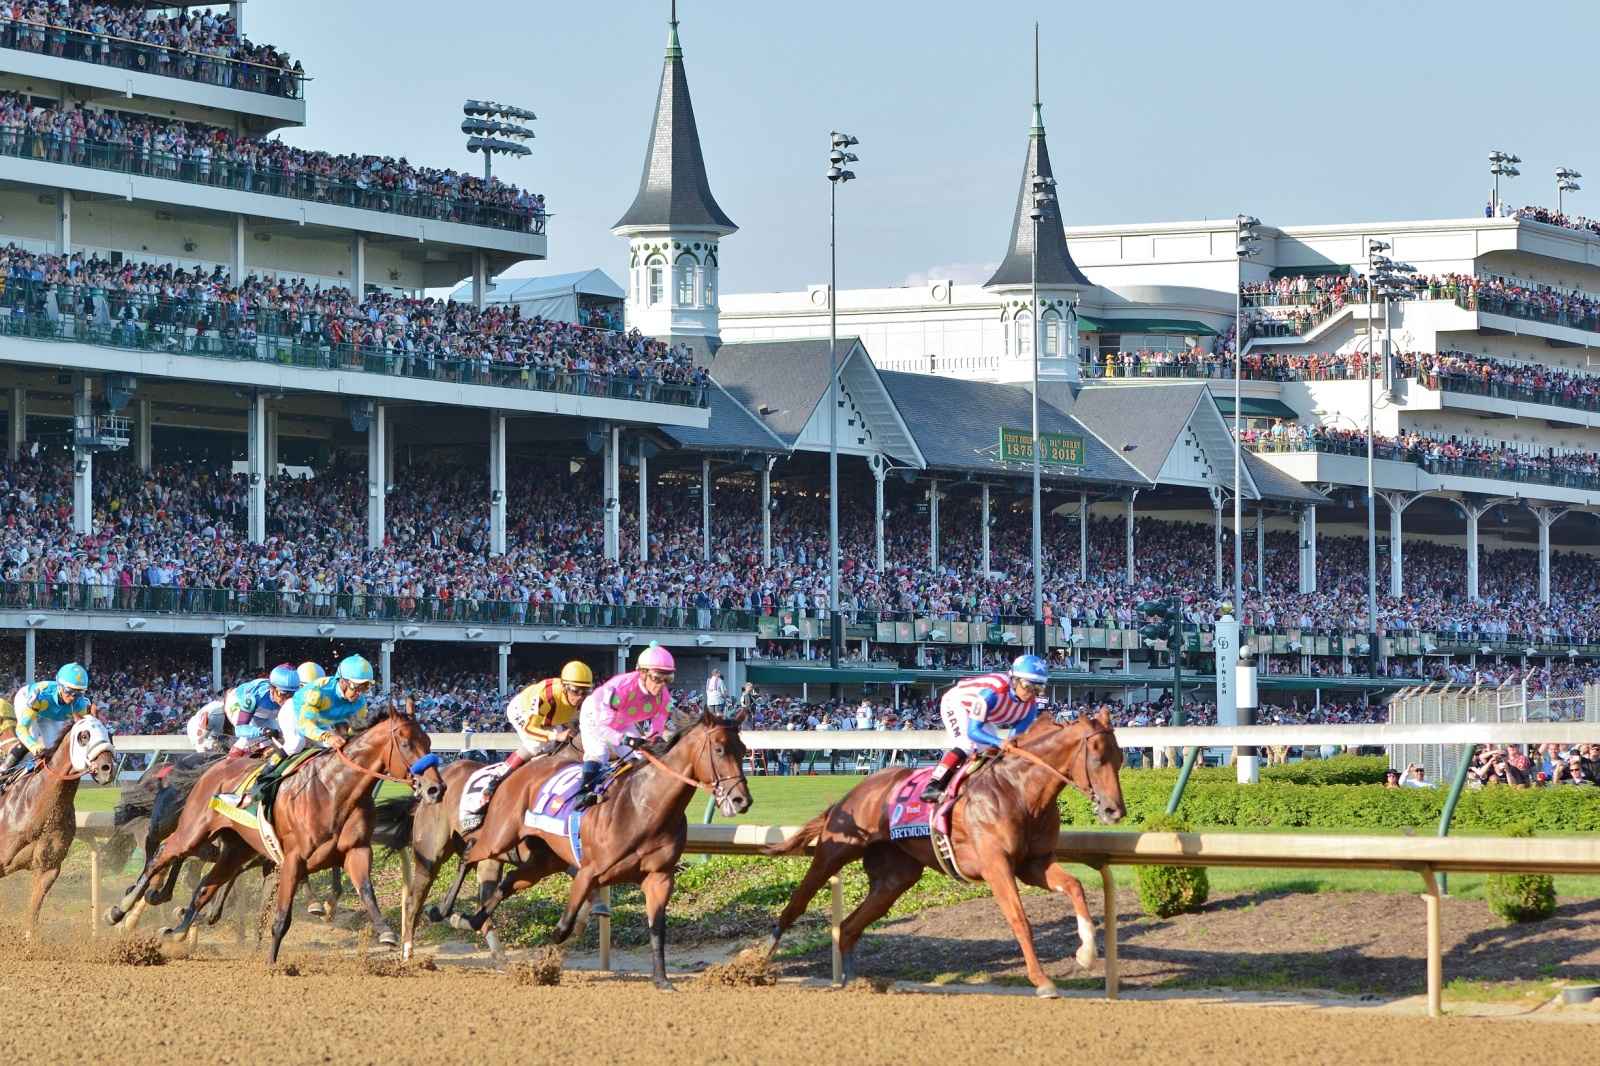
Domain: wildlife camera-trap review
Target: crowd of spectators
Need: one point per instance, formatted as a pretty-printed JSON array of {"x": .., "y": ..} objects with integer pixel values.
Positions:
[
  {"x": 196, "y": 44},
  {"x": 162, "y": 306},
  {"x": 1533, "y": 213},
  {"x": 135, "y": 143}
]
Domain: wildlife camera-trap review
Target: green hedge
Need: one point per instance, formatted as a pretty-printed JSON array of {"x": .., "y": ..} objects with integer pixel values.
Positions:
[
  {"x": 1521, "y": 897},
  {"x": 1168, "y": 890},
  {"x": 1212, "y": 804}
]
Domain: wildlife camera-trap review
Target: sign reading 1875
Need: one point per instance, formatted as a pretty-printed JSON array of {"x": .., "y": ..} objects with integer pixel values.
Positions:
[{"x": 1055, "y": 449}]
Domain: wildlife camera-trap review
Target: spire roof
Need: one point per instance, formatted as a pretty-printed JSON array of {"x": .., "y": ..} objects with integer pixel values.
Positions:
[
  {"x": 674, "y": 189},
  {"x": 1056, "y": 267}
]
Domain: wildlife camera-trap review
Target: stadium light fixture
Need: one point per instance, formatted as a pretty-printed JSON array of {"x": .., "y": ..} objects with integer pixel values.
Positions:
[
  {"x": 325, "y": 629},
  {"x": 1501, "y": 164},
  {"x": 410, "y": 631},
  {"x": 137, "y": 623},
  {"x": 1566, "y": 181},
  {"x": 837, "y": 173},
  {"x": 702, "y": 639},
  {"x": 233, "y": 625},
  {"x": 474, "y": 633},
  {"x": 494, "y": 129},
  {"x": 1247, "y": 242}
]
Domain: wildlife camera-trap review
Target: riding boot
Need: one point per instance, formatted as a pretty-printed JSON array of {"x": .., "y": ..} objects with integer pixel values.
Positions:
[
  {"x": 587, "y": 796},
  {"x": 941, "y": 775},
  {"x": 517, "y": 759},
  {"x": 269, "y": 774},
  {"x": 12, "y": 758}
]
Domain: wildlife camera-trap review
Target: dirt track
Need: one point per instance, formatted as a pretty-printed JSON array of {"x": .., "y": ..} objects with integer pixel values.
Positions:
[{"x": 71, "y": 1005}]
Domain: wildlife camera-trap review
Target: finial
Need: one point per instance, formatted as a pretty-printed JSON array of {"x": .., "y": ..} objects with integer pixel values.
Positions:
[
  {"x": 674, "y": 49},
  {"x": 1038, "y": 111}
]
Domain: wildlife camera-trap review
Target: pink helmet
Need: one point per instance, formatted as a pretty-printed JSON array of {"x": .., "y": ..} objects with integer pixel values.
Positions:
[{"x": 655, "y": 657}]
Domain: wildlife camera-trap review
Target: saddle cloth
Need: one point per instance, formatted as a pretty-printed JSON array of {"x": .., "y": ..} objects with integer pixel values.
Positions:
[
  {"x": 910, "y": 817},
  {"x": 552, "y": 811},
  {"x": 244, "y": 815},
  {"x": 470, "y": 811}
]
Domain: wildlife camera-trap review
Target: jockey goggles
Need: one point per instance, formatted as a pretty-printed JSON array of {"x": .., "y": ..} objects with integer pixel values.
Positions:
[{"x": 663, "y": 676}]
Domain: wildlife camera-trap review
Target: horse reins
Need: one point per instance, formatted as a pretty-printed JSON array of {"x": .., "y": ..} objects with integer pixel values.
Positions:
[
  {"x": 394, "y": 742},
  {"x": 1011, "y": 747},
  {"x": 715, "y": 787}
]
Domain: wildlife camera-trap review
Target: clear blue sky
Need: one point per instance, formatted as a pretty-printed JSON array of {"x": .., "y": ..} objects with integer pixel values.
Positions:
[{"x": 1156, "y": 110}]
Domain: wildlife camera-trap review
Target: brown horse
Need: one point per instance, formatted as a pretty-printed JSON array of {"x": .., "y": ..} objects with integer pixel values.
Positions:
[
  {"x": 634, "y": 835},
  {"x": 1003, "y": 827},
  {"x": 323, "y": 817},
  {"x": 37, "y": 819}
]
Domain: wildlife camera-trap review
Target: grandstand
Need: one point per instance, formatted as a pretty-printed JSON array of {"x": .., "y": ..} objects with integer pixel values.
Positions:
[{"x": 236, "y": 421}]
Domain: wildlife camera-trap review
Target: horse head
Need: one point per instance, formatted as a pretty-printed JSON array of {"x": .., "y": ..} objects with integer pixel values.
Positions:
[
  {"x": 89, "y": 750},
  {"x": 407, "y": 752},
  {"x": 715, "y": 754},
  {"x": 1086, "y": 754}
]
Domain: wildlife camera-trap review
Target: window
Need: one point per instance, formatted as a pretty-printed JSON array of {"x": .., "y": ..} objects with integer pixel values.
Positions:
[
  {"x": 655, "y": 282},
  {"x": 709, "y": 285},
  {"x": 1052, "y": 334},
  {"x": 686, "y": 281},
  {"x": 1024, "y": 333}
]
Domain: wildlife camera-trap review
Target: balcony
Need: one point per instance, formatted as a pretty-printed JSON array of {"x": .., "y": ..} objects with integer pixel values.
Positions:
[{"x": 1527, "y": 468}]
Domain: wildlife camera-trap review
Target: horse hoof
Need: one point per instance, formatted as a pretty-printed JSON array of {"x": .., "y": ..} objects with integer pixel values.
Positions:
[
  {"x": 114, "y": 915},
  {"x": 1047, "y": 992},
  {"x": 459, "y": 921},
  {"x": 388, "y": 939},
  {"x": 166, "y": 932},
  {"x": 1085, "y": 958},
  {"x": 316, "y": 910},
  {"x": 664, "y": 985},
  {"x": 433, "y": 913}
]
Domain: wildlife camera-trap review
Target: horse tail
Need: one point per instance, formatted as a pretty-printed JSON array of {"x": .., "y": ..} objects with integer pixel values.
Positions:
[
  {"x": 808, "y": 834},
  {"x": 391, "y": 828}
]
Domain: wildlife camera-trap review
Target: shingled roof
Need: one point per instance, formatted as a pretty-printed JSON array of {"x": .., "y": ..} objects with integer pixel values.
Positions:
[{"x": 1056, "y": 267}]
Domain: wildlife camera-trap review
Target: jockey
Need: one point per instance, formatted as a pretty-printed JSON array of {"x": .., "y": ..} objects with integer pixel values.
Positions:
[
  {"x": 538, "y": 711},
  {"x": 43, "y": 710},
  {"x": 616, "y": 713},
  {"x": 974, "y": 706},
  {"x": 247, "y": 711},
  {"x": 310, "y": 671},
  {"x": 318, "y": 710}
]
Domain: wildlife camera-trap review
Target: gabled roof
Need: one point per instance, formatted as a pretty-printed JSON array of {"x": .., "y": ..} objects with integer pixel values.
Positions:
[
  {"x": 957, "y": 422},
  {"x": 1275, "y": 485},
  {"x": 1056, "y": 267},
  {"x": 674, "y": 189},
  {"x": 594, "y": 282},
  {"x": 730, "y": 427},
  {"x": 1140, "y": 423}
]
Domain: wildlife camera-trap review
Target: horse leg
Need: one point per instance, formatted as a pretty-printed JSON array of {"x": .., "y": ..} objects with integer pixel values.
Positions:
[
  {"x": 325, "y": 909},
  {"x": 1044, "y": 872},
  {"x": 831, "y": 856},
  {"x": 1001, "y": 879},
  {"x": 358, "y": 864},
  {"x": 490, "y": 895},
  {"x": 44, "y": 876},
  {"x": 890, "y": 871},
  {"x": 163, "y": 892},
  {"x": 657, "y": 887},
  {"x": 170, "y": 852},
  {"x": 583, "y": 883},
  {"x": 290, "y": 874},
  {"x": 223, "y": 871},
  {"x": 437, "y": 911}
]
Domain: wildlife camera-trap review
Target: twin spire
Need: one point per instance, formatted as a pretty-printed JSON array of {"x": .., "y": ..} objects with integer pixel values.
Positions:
[{"x": 1056, "y": 268}]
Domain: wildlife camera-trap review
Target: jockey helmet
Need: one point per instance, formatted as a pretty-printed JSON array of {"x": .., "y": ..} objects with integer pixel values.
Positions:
[
  {"x": 577, "y": 674},
  {"x": 284, "y": 678},
  {"x": 310, "y": 671},
  {"x": 355, "y": 669},
  {"x": 1031, "y": 668},
  {"x": 73, "y": 676},
  {"x": 655, "y": 657}
]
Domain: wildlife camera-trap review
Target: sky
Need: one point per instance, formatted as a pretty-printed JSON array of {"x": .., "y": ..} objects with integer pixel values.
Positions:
[{"x": 1156, "y": 111}]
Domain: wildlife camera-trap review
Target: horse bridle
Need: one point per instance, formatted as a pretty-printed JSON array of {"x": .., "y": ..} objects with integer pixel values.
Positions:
[
  {"x": 718, "y": 778},
  {"x": 394, "y": 743},
  {"x": 1012, "y": 747}
]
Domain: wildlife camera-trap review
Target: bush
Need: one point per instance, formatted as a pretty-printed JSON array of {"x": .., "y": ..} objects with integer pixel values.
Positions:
[
  {"x": 1339, "y": 770},
  {"x": 1521, "y": 897},
  {"x": 1168, "y": 890}
]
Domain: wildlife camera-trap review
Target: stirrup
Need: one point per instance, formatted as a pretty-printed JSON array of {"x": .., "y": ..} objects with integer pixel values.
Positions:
[
  {"x": 933, "y": 792},
  {"x": 588, "y": 799}
]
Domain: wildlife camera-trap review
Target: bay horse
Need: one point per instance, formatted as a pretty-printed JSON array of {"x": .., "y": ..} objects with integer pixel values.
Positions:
[
  {"x": 323, "y": 816},
  {"x": 1004, "y": 826},
  {"x": 37, "y": 818},
  {"x": 634, "y": 835}
]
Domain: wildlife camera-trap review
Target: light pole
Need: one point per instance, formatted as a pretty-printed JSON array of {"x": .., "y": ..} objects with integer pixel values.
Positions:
[
  {"x": 488, "y": 124},
  {"x": 837, "y": 175},
  {"x": 1248, "y": 242},
  {"x": 1044, "y": 196},
  {"x": 1566, "y": 181},
  {"x": 1502, "y": 163},
  {"x": 1375, "y": 260}
]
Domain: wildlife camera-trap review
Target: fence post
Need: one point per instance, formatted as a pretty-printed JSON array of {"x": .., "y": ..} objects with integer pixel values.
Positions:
[
  {"x": 405, "y": 903},
  {"x": 1430, "y": 899},
  {"x": 1108, "y": 886},
  {"x": 94, "y": 891},
  {"x": 605, "y": 931},
  {"x": 835, "y": 920}
]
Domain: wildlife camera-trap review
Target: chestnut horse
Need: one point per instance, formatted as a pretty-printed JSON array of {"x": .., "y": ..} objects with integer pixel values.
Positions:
[
  {"x": 323, "y": 816},
  {"x": 634, "y": 835},
  {"x": 1003, "y": 827},
  {"x": 37, "y": 819}
]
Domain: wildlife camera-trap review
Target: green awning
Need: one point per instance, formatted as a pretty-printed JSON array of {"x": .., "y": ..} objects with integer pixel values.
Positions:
[
  {"x": 1312, "y": 271},
  {"x": 1255, "y": 407},
  {"x": 1090, "y": 325},
  {"x": 1174, "y": 326}
]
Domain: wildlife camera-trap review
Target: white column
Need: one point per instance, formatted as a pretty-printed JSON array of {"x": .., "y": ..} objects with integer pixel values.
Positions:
[
  {"x": 236, "y": 10},
  {"x": 386, "y": 666},
  {"x": 377, "y": 475},
  {"x": 705, "y": 510},
  {"x": 1128, "y": 531},
  {"x": 612, "y": 481},
  {"x": 83, "y": 458},
  {"x": 236, "y": 258},
  {"x": 497, "y": 483},
  {"x": 766, "y": 511},
  {"x": 17, "y": 435},
  {"x": 30, "y": 654},
  {"x": 504, "y": 651},
  {"x": 64, "y": 221},
  {"x": 1546, "y": 517},
  {"x": 735, "y": 681},
  {"x": 1308, "y": 551},
  {"x": 1397, "y": 510},
  {"x": 272, "y": 443},
  {"x": 1261, "y": 550},
  {"x": 1216, "y": 539},
  {"x": 985, "y": 523},
  {"x": 1472, "y": 514},
  {"x": 1083, "y": 536},
  {"x": 142, "y": 445},
  {"x": 256, "y": 445},
  {"x": 880, "y": 471},
  {"x": 87, "y": 658},
  {"x": 480, "y": 279},
  {"x": 933, "y": 523},
  {"x": 644, "y": 504},
  {"x": 217, "y": 644},
  {"x": 358, "y": 266}
]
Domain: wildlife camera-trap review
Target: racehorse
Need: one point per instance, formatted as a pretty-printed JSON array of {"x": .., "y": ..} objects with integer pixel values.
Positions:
[
  {"x": 634, "y": 835},
  {"x": 1003, "y": 826},
  {"x": 147, "y": 811},
  {"x": 37, "y": 819},
  {"x": 322, "y": 817}
]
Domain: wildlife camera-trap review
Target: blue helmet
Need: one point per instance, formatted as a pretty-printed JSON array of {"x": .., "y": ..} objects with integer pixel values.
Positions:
[
  {"x": 355, "y": 668},
  {"x": 73, "y": 675},
  {"x": 284, "y": 678},
  {"x": 1031, "y": 668}
]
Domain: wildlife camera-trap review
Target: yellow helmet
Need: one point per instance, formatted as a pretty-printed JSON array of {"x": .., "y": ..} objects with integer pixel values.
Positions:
[{"x": 576, "y": 673}]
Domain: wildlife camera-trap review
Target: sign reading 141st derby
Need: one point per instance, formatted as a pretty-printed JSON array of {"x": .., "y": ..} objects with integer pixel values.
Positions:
[{"x": 1055, "y": 449}]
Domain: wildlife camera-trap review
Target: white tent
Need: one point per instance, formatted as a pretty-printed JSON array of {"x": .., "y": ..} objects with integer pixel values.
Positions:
[{"x": 556, "y": 297}]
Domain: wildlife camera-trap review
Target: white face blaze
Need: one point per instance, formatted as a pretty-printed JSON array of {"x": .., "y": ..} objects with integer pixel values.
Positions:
[{"x": 89, "y": 738}]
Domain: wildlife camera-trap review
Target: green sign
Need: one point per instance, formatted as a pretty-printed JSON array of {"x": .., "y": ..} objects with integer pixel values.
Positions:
[{"x": 1055, "y": 449}]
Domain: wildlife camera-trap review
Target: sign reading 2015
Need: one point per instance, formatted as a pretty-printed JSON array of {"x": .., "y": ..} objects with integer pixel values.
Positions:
[{"x": 1055, "y": 449}]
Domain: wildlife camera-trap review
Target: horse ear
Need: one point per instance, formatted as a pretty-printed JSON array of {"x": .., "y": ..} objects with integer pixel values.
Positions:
[
  {"x": 1104, "y": 717},
  {"x": 706, "y": 717}
]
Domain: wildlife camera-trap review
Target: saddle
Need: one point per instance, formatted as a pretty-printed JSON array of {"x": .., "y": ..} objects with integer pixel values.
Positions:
[
  {"x": 246, "y": 788},
  {"x": 910, "y": 817}
]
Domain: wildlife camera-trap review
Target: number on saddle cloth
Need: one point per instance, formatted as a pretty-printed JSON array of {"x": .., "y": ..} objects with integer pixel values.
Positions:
[{"x": 475, "y": 796}]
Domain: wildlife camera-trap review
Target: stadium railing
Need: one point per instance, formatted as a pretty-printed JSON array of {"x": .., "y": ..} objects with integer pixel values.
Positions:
[
  {"x": 1531, "y": 472},
  {"x": 218, "y": 171},
  {"x": 1494, "y": 303},
  {"x": 82, "y": 314},
  {"x": 127, "y": 53}
]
